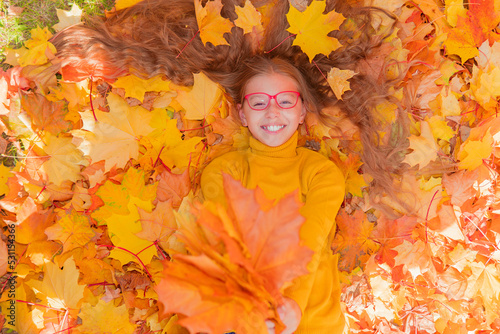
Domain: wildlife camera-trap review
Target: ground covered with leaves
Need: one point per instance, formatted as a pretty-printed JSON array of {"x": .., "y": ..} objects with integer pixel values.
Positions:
[{"x": 100, "y": 180}]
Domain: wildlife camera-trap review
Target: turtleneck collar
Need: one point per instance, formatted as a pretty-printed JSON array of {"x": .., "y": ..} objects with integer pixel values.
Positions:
[{"x": 285, "y": 150}]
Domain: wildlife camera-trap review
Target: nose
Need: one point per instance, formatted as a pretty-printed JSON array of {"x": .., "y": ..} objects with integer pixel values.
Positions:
[{"x": 273, "y": 109}]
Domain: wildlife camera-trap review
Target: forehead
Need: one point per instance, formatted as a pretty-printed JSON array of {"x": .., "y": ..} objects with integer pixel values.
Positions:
[{"x": 271, "y": 83}]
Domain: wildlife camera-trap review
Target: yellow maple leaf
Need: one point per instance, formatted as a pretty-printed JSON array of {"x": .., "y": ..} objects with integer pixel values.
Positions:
[
  {"x": 201, "y": 99},
  {"x": 116, "y": 131},
  {"x": 449, "y": 104},
  {"x": 40, "y": 50},
  {"x": 486, "y": 86},
  {"x": 249, "y": 19},
  {"x": 5, "y": 173},
  {"x": 212, "y": 26},
  {"x": 424, "y": 147},
  {"x": 473, "y": 152},
  {"x": 121, "y": 4},
  {"x": 167, "y": 145},
  {"x": 312, "y": 28},
  {"x": 123, "y": 230},
  {"x": 120, "y": 214},
  {"x": 60, "y": 287},
  {"x": 453, "y": 9},
  {"x": 105, "y": 318},
  {"x": 72, "y": 230},
  {"x": 68, "y": 17},
  {"x": 337, "y": 79},
  {"x": 76, "y": 93},
  {"x": 65, "y": 160},
  {"x": 485, "y": 281},
  {"x": 440, "y": 128},
  {"x": 136, "y": 87}
]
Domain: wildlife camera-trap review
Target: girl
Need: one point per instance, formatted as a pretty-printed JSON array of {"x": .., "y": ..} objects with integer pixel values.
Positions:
[
  {"x": 273, "y": 88},
  {"x": 273, "y": 99}
]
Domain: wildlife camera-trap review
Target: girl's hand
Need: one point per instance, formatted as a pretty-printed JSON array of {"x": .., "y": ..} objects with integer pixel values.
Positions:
[{"x": 290, "y": 315}]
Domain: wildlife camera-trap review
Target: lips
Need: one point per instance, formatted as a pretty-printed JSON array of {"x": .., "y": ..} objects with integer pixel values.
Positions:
[{"x": 273, "y": 128}]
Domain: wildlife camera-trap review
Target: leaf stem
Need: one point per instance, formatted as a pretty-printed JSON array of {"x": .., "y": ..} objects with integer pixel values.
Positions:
[
  {"x": 35, "y": 304},
  {"x": 90, "y": 98},
  {"x": 135, "y": 255},
  {"x": 280, "y": 43},
  {"x": 427, "y": 216},
  {"x": 185, "y": 46}
]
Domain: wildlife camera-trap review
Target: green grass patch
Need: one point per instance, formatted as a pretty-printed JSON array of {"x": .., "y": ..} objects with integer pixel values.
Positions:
[{"x": 18, "y": 17}]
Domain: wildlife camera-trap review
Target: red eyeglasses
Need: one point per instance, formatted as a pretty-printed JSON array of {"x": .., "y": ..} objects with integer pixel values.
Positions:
[{"x": 260, "y": 101}]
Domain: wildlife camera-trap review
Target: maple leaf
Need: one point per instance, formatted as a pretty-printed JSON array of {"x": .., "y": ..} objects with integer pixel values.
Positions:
[
  {"x": 32, "y": 221},
  {"x": 312, "y": 28},
  {"x": 118, "y": 130},
  {"x": 201, "y": 99},
  {"x": 484, "y": 281},
  {"x": 46, "y": 115},
  {"x": 353, "y": 241},
  {"x": 472, "y": 30},
  {"x": 136, "y": 87},
  {"x": 173, "y": 187},
  {"x": 453, "y": 9},
  {"x": 389, "y": 234},
  {"x": 76, "y": 93},
  {"x": 65, "y": 160},
  {"x": 473, "y": 152},
  {"x": 60, "y": 287},
  {"x": 159, "y": 224},
  {"x": 105, "y": 318},
  {"x": 68, "y": 17},
  {"x": 459, "y": 186},
  {"x": 72, "y": 230},
  {"x": 120, "y": 214},
  {"x": 212, "y": 26},
  {"x": 166, "y": 144},
  {"x": 450, "y": 105},
  {"x": 440, "y": 128},
  {"x": 337, "y": 79},
  {"x": 249, "y": 19},
  {"x": 3, "y": 256},
  {"x": 416, "y": 258},
  {"x": 40, "y": 50},
  {"x": 485, "y": 86},
  {"x": 424, "y": 147},
  {"x": 121, "y": 4},
  {"x": 5, "y": 174},
  {"x": 236, "y": 262}
]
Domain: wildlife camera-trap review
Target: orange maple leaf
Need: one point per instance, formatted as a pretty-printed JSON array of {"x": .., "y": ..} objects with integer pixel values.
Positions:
[
  {"x": 391, "y": 233},
  {"x": 471, "y": 31},
  {"x": 239, "y": 262},
  {"x": 353, "y": 241},
  {"x": 46, "y": 115}
]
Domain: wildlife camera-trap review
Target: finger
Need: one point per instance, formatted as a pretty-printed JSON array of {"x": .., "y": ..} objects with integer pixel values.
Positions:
[{"x": 270, "y": 326}]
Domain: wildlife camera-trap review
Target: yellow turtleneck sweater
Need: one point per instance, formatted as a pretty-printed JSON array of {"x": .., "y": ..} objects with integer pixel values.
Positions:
[{"x": 279, "y": 171}]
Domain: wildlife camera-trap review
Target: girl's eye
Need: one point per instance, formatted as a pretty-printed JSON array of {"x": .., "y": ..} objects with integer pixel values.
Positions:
[{"x": 258, "y": 104}]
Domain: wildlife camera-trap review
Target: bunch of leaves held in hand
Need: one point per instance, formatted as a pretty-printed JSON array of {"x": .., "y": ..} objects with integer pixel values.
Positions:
[{"x": 101, "y": 181}]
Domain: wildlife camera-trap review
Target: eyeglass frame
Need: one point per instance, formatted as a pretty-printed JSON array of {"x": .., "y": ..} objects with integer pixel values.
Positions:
[{"x": 272, "y": 97}]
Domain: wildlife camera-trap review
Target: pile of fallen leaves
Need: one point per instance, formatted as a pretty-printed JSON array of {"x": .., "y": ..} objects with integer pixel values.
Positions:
[{"x": 100, "y": 182}]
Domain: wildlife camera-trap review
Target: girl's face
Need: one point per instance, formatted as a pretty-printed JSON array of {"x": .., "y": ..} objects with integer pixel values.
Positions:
[{"x": 272, "y": 125}]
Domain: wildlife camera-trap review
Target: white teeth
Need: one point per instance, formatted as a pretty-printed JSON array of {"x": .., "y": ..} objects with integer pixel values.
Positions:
[{"x": 273, "y": 128}]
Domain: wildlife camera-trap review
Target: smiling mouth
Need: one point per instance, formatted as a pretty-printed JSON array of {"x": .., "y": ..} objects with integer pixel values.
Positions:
[{"x": 273, "y": 128}]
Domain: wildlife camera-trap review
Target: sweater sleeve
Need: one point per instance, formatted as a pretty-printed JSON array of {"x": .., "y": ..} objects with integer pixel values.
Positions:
[
  {"x": 211, "y": 183},
  {"x": 325, "y": 193}
]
